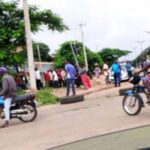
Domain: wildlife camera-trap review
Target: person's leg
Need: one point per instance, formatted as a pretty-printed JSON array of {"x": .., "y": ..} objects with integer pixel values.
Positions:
[
  {"x": 41, "y": 84},
  {"x": 7, "y": 105},
  {"x": 57, "y": 84},
  {"x": 147, "y": 85},
  {"x": 54, "y": 84},
  {"x": 73, "y": 86},
  {"x": 68, "y": 87},
  {"x": 1, "y": 110},
  {"x": 115, "y": 79},
  {"x": 118, "y": 78},
  {"x": 38, "y": 84}
]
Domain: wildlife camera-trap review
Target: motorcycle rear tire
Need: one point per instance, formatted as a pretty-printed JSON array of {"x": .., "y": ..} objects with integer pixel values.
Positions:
[{"x": 34, "y": 111}]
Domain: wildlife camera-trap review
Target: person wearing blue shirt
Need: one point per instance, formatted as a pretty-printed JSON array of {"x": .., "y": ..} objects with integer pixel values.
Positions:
[
  {"x": 117, "y": 73},
  {"x": 129, "y": 69},
  {"x": 70, "y": 70}
]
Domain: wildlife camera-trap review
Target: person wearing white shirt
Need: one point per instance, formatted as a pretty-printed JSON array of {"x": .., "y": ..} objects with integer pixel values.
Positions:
[
  {"x": 55, "y": 79},
  {"x": 38, "y": 79}
]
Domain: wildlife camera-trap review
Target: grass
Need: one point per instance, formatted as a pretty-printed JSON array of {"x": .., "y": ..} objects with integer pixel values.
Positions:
[{"x": 43, "y": 96}]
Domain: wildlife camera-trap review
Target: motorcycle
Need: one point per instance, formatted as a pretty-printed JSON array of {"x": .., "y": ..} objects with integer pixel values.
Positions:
[
  {"x": 23, "y": 107},
  {"x": 132, "y": 101}
]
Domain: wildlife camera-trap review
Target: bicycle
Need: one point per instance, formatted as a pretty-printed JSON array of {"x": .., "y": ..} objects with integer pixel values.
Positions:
[{"x": 133, "y": 102}]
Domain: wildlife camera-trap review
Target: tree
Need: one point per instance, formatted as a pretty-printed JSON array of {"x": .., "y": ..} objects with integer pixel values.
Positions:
[
  {"x": 12, "y": 32},
  {"x": 110, "y": 55},
  {"x": 65, "y": 53},
  {"x": 43, "y": 50}
]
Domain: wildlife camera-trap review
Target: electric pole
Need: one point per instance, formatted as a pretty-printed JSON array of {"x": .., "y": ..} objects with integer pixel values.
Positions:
[
  {"x": 39, "y": 54},
  {"x": 74, "y": 54},
  {"x": 84, "y": 50},
  {"x": 29, "y": 45}
]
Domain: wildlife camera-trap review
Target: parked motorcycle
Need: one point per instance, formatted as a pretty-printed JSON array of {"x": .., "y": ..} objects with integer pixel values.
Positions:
[{"x": 23, "y": 107}]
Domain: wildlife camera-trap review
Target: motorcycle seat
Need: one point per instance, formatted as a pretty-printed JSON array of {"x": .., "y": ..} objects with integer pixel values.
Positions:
[{"x": 24, "y": 97}]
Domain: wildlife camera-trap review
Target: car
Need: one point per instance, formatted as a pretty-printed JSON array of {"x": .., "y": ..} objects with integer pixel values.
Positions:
[{"x": 124, "y": 73}]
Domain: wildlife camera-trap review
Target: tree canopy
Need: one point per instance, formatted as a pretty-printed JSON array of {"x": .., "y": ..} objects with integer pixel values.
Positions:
[
  {"x": 109, "y": 55},
  {"x": 43, "y": 50},
  {"x": 64, "y": 53},
  {"x": 12, "y": 31}
]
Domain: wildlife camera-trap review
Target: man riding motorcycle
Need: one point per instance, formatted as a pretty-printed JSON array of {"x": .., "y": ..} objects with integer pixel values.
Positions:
[
  {"x": 8, "y": 92},
  {"x": 146, "y": 80}
]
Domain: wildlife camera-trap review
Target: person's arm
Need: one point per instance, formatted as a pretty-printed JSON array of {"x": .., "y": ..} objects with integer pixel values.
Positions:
[
  {"x": 4, "y": 87},
  {"x": 144, "y": 69}
]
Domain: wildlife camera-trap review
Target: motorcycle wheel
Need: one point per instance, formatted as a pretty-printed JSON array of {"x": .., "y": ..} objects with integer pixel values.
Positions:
[
  {"x": 31, "y": 113},
  {"x": 132, "y": 104}
]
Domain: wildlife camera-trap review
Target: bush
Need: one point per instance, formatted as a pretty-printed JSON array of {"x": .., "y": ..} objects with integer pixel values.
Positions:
[{"x": 44, "y": 97}]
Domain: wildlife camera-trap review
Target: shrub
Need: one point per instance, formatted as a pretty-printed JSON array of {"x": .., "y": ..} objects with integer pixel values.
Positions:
[{"x": 44, "y": 97}]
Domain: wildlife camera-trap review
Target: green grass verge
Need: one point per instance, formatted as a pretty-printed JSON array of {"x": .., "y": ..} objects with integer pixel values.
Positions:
[{"x": 43, "y": 96}]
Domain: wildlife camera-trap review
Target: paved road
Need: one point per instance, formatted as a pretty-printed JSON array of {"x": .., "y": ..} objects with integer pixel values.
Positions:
[
  {"x": 132, "y": 139},
  {"x": 99, "y": 114}
]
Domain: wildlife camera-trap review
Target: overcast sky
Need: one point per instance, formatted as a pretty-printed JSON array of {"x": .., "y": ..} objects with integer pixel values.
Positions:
[{"x": 108, "y": 23}]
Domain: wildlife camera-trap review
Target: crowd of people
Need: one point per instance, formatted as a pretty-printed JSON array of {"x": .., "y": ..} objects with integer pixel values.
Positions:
[
  {"x": 57, "y": 78},
  {"x": 70, "y": 76}
]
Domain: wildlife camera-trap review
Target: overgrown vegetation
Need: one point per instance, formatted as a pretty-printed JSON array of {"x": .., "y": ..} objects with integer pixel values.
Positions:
[{"x": 45, "y": 97}]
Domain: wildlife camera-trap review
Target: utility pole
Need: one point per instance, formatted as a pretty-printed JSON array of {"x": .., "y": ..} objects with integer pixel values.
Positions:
[
  {"x": 84, "y": 50},
  {"x": 39, "y": 54},
  {"x": 74, "y": 55},
  {"x": 29, "y": 45}
]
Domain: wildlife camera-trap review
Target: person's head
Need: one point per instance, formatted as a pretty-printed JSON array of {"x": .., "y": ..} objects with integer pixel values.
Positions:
[
  {"x": 81, "y": 65},
  {"x": 66, "y": 62},
  {"x": 3, "y": 71},
  {"x": 96, "y": 65},
  {"x": 116, "y": 61}
]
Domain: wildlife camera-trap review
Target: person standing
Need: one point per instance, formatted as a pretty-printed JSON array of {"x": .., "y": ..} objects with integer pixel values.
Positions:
[
  {"x": 38, "y": 79},
  {"x": 8, "y": 92},
  {"x": 70, "y": 70},
  {"x": 55, "y": 79},
  {"x": 116, "y": 69},
  {"x": 97, "y": 70},
  {"x": 84, "y": 77},
  {"x": 47, "y": 78},
  {"x": 60, "y": 78},
  {"x": 106, "y": 73},
  {"x": 129, "y": 69}
]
